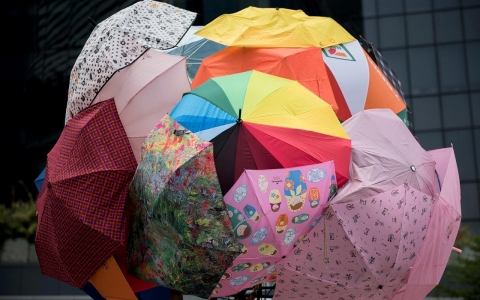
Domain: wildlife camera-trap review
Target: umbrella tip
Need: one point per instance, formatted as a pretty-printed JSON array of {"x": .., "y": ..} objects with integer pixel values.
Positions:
[
  {"x": 276, "y": 8},
  {"x": 92, "y": 21}
]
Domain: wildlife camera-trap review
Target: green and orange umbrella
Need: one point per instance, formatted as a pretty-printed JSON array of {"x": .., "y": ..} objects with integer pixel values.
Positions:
[{"x": 260, "y": 121}]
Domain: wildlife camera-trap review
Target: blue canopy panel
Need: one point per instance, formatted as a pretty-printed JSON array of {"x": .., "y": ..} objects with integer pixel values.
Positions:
[{"x": 201, "y": 117}]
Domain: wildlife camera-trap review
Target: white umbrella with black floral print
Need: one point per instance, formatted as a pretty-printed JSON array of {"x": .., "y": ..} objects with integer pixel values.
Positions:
[{"x": 118, "y": 41}]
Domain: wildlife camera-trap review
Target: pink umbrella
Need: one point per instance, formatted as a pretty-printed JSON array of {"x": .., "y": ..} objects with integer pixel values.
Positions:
[
  {"x": 145, "y": 91},
  {"x": 364, "y": 248},
  {"x": 376, "y": 223},
  {"x": 271, "y": 211},
  {"x": 441, "y": 230}
]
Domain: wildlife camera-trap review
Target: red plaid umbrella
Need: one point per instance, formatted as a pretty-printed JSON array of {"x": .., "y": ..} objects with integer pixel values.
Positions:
[{"x": 81, "y": 205}]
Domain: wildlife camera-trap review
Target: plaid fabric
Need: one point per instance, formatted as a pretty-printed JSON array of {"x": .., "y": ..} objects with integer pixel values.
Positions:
[{"x": 82, "y": 205}]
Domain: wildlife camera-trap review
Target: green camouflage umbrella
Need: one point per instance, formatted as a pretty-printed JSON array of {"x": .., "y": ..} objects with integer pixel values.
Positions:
[{"x": 181, "y": 236}]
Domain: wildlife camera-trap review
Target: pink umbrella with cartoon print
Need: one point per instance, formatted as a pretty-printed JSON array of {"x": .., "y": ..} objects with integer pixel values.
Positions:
[{"x": 271, "y": 210}]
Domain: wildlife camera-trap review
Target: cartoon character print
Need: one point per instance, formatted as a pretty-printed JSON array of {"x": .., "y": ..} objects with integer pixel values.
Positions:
[
  {"x": 239, "y": 280},
  {"x": 258, "y": 280},
  {"x": 241, "y": 267},
  {"x": 226, "y": 276},
  {"x": 275, "y": 200},
  {"x": 259, "y": 236},
  {"x": 251, "y": 212},
  {"x": 240, "y": 193},
  {"x": 262, "y": 183},
  {"x": 301, "y": 218},
  {"x": 267, "y": 249},
  {"x": 241, "y": 228},
  {"x": 281, "y": 224},
  {"x": 295, "y": 190},
  {"x": 289, "y": 236},
  {"x": 260, "y": 266},
  {"x": 314, "y": 197}
]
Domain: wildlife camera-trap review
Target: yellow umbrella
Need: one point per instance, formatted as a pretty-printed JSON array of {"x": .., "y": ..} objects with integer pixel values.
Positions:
[{"x": 270, "y": 27}]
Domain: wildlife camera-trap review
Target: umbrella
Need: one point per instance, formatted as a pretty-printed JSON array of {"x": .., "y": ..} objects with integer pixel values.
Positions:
[
  {"x": 374, "y": 227},
  {"x": 259, "y": 121},
  {"x": 120, "y": 40},
  {"x": 181, "y": 236},
  {"x": 385, "y": 154},
  {"x": 195, "y": 49},
  {"x": 304, "y": 65},
  {"x": 144, "y": 92},
  {"x": 81, "y": 205},
  {"x": 377, "y": 57},
  {"x": 358, "y": 83},
  {"x": 270, "y": 27},
  {"x": 270, "y": 211},
  {"x": 364, "y": 247},
  {"x": 441, "y": 231}
]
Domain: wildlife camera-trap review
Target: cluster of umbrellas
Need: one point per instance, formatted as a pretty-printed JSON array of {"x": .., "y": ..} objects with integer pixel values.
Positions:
[{"x": 265, "y": 146}]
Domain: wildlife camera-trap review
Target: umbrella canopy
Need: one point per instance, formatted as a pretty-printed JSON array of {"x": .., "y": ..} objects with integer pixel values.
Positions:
[
  {"x": 144, "y": 92},
  {"x": 358, "y": 83},
  {"x": 375, "y": 225},
  {"x": 39, "y": 180},
  {"x": 270, "y": 211},
  {"x": 304, "y": 65},
  {"x": 118, "y": 41},
  {"x": 259, "y": 121},
  {"x": 181, "y": 236},
  {"x": 195, "y": 48},
  {"x": 270, "y": 27},
  {"x": 81, "y": 206},
  {"x": 385, "y": 154},
  {"x": 441, "y": 231},
  {"x": 364, "y": 247}
]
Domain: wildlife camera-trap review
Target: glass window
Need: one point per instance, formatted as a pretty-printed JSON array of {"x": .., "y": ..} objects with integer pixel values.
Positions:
[
  {"x": 451, "y": 65},
  {"x": 471, "y": 23},
  {"x": 462, "y": 141},
  {"x": 390, "y": 7},
  {"x": 475, "y": 100},
  {"x": 439, "y": 4},
  {"x": 448, "y": 26},
  {"x": 473, "y": 64},
  {"x": 397, "y": 60},
  {"x": 466, "y": 3},
  {"x": 418, "y": 5},
  {"x": 370, "y": 31},
  {"x": 430, "y": 140},
  {"x": 477, "y": 147},
  {"x": 423, "y": 71},
  {"x": 420, "y": 29},
  {"x": 470, "y": 208},
  {"x": 426, "y": 113},
  {"x": 456, "y": 111},
  {"x": 392, "y": 32},
  {"x": 368, "y": 8}
]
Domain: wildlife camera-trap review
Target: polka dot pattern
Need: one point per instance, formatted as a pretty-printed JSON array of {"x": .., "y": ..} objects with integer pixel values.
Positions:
[{"x": 118, "y": 41}]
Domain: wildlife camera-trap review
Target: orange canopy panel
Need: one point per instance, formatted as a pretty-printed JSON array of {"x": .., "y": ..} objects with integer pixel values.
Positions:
[{"x": 304, "y": 65}]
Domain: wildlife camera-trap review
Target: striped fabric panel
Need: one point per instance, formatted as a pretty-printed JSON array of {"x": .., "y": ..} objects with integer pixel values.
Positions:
[{"x": 89, "y": 173}]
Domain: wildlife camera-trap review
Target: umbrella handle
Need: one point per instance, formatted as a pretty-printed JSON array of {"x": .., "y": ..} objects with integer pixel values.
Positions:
[{"x": 457, "y": 250}]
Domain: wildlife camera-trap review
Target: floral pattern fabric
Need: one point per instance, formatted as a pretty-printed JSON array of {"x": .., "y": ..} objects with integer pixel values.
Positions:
[
  {"x": 181, "y": 236},
  {"x": 118, "y": 41}
]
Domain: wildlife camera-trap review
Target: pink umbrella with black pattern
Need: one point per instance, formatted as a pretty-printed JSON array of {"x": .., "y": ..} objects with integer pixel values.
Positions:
[{"x": 374, "y": 227}]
